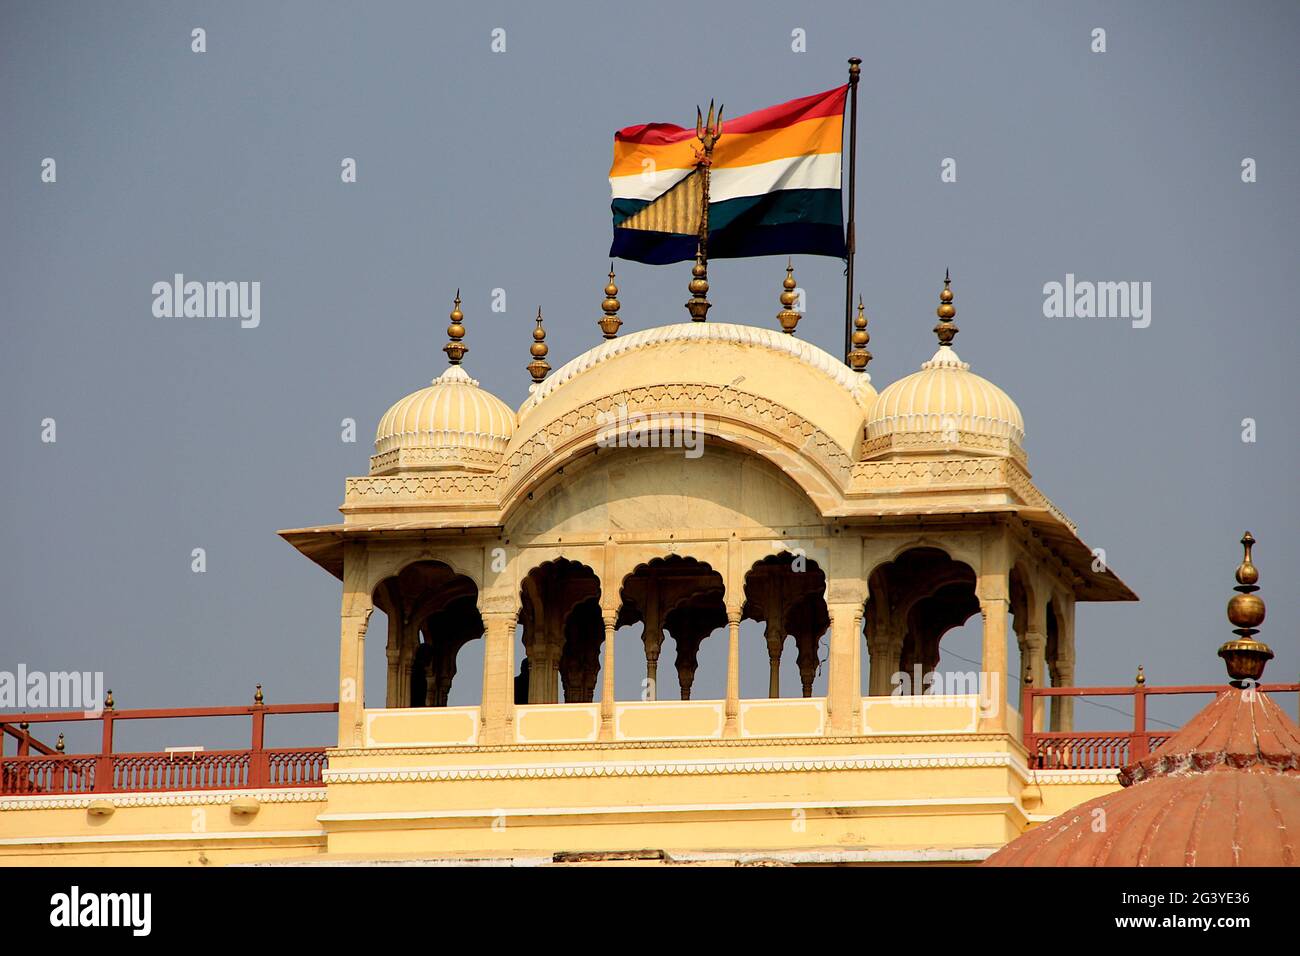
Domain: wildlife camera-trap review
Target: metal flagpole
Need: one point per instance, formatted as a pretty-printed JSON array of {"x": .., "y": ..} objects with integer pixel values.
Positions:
[
  {"x": 707, "y": 133},
  {"x": 855, "y": 69}
]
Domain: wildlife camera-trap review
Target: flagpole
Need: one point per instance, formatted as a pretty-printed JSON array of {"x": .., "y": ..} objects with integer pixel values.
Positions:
[
  {"x": 855, "y": 69},
  {"x": 707, "y": 134}
]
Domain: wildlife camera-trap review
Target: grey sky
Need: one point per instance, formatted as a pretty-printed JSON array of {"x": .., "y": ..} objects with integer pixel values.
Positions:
[{"x": 484, "y": 170}]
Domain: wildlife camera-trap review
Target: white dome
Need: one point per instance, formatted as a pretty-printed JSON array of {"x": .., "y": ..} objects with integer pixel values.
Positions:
[
  {"x": 944, "y": 407},
  {"x": 450, "y": 424}
]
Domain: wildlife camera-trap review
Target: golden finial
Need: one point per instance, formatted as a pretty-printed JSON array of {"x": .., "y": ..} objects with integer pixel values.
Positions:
[
  {"x": 538, "y": 367},
  {"x": 609, "y": 325},
  {"x": 456, "y": 349},
  {"x": 699, "y": 304},
  {"x": 1141, "y": 677},
  {"x": 258, "y": 699},
  {"x": 788, "y": 317},
  {"x": 59, "y": 744},
  {"x": 859, "y": 356},
  {"x": 946, "y": 328},
  {"x": 108, "y": 700},
  {"x": 1246, "y": 657}
]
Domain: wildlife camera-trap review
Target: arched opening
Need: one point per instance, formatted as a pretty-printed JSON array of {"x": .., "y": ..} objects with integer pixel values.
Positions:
[
  {"x": 681, "y": 598},
  {"x": 915, "y": 600},
  {"x": 432, "y": 614},
  {"x": 561, "y": 632},
  {"x": 787, "y": 594}
]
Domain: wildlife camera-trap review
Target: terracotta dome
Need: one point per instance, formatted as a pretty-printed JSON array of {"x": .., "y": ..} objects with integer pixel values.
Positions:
[
  {"x": 1224, "y": 791},
  {"x": 453, "y": 423}
]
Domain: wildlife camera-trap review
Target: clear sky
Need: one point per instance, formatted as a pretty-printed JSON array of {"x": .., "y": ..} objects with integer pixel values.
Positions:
[{"x": 484, "y": 170}]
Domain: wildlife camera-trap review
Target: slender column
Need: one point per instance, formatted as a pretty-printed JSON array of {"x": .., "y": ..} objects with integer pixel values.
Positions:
[
  {"x": 844, "y": 691},
  {"x": 405, "y": 666},
  {"x": 394, "y": 656},
  {"x": 352, "y": 675},
  {"x": 1035, "y": 647},
  {"x": 993, "y": 664},
  {"x": 497, "y": 709},
  {"x": 732, "y": 726},
  {"x": 775, "y": 639},
  {"x": 652, "y": 636},
  {"x": 607, "y": 677},
  {"x": 1063, "y": 707}
]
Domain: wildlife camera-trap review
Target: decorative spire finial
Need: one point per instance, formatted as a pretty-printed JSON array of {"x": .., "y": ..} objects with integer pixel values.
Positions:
[
  {"x": 859, "y": 356},
  {"x": 610, "y": 324},
  {"x": 1141, "y": 677},
  {"x": 538, "y": 367},
  {"x": 456, "y": 349},
  {"x": 60, "y": 745},
  {"x": 258, "y": 699},
  {"x": 109, "y": 703},
  {"x": 946, "y": 329},
  {"x": 1246, "y": 657},
  {"x": 788, "y": 317},
  {"x": 699, "y": 304}
]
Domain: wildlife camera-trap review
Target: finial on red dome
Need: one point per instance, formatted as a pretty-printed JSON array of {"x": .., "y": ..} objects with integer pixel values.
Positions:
[{"x": 1246, "y": 657}]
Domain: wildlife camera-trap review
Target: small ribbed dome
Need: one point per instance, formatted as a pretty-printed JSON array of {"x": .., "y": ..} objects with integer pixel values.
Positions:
[
  {"x": 944, "y": 407},
  {"x": 450, "y": 424}
]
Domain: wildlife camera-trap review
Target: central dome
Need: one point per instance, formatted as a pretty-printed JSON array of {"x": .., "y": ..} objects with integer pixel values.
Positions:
[{"x": 452, "y": 423}]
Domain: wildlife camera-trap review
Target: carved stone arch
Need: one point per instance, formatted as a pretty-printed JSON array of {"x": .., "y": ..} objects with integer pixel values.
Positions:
[
  {"x": 749, "y": 422},
  {"x": 550, "y": 593},
  {"x": 679, "y": 595},
  {"x": 383, "y": 564}
]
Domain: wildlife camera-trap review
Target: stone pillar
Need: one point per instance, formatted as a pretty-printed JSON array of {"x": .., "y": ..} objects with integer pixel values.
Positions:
[
  {"x": 993, "y": 660},
  {"x": 844, "y": 691},
  {"x": 1063, "y": 707},
  {"x": 405, "y": 665},
  {"x": 652, "y": 636},
  {"x": 394, "y": 655},
  {"x": 610, "y": 616},
  {"x": 497, "y": 708},
  {"x": 731, "y": 728},
  {"x": 1035, "y": 647},
  {"x": 775, "y": 634},
  {"x": 354, "y": 619},
  {"x": 807, "y": 661}
]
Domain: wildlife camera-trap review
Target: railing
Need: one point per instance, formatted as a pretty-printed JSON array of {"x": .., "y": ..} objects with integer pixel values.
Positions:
[
  {"x": 1105, "y": 749},
  {"x": 38, "y": 768}
]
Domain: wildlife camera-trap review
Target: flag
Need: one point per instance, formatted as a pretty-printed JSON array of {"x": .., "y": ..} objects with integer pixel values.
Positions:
[{"x": 774, "y": 185}]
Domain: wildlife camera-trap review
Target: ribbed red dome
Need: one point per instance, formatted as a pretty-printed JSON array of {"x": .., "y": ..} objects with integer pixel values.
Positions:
[{"x": 1224, "y": 791}]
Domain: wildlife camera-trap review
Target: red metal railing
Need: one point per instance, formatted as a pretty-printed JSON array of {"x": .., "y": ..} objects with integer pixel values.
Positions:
[
  {"x": 1105, "y": 749},
  {"x": 39, "y": 768}
]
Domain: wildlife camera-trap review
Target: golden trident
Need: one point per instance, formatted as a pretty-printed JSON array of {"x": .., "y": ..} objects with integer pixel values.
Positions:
[{"x": 707, "y": 133}]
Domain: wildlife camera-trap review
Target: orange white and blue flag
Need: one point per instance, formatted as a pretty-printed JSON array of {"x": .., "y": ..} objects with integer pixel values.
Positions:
[{"x": 774, "y": 185}]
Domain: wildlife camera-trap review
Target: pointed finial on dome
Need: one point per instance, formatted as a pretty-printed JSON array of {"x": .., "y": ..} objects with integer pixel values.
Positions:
[
  {"x": 859, "y": 356},
  {"x": 699, "y": 304},
  {"x": 946, "y": 329},
  {"x": 456, "y": 349},
  {"x": 610, "y": 323},
  {"x": 788, "y": 317},
  {"x": 539, "y": 367},
  {"x": 1246, "y": 657}
]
